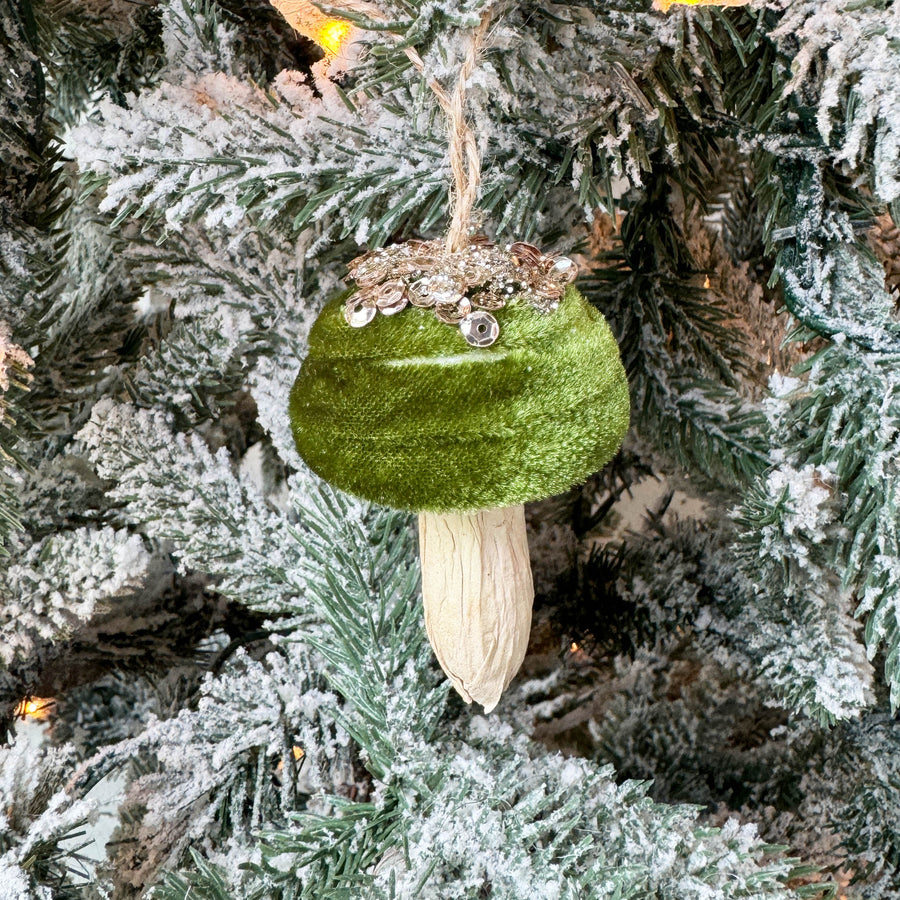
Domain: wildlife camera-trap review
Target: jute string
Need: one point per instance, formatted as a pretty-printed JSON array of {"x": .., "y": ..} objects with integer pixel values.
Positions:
[{"x": 465, "y": 161}]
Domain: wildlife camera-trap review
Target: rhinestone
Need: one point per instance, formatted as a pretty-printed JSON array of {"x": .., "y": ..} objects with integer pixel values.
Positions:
[
  {"x": 564, "y": 270},
  {"x": 359, "y": 312},
  {"x": 480, "y": 329},
  {"x": 391, "y": 297}
]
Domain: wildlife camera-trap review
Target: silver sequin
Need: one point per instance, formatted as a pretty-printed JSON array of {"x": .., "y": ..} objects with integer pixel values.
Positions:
[
  {"x": 525, "y": 254},
  {"x": 444, "y": 289},
  {"x": 391, "y": 297},
  {"x": 454, "y": 312},
  {"x": 419, "y": 295},
  {"x": 359, "y": 313},
  {"x": 480, "y": 329}
]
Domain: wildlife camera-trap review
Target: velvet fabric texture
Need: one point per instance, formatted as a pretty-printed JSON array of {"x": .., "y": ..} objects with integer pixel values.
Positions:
[{"x": 405, "y": 413}]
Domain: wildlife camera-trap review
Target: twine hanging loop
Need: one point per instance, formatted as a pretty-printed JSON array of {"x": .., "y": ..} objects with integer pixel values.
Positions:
[{"x": 465, "y": 160}]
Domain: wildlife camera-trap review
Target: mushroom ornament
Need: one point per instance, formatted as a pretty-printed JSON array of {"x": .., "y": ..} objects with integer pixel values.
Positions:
[{"x": 460, "y": 385}]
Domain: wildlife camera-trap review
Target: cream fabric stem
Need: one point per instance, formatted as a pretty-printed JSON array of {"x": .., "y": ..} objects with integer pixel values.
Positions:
[{"x": 477, "y": 592}]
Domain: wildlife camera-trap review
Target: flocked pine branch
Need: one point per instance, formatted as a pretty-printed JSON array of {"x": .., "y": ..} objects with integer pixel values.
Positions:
[
  {"x": 836, "y": 434},
  {"x": 681, "y": 712},
  {"x": 865, "y": 761},
  {"x": 801, "y": 618},
  {"x": 680, "y": 350},
  {"x": 844, "y": 422},
  {"x": 339, "y": 577},
  {"x": 174, "y": 488},
  {"x": 221, "y": 148},
  {"x": 847, "y": 67},
  {"x": 232, "y": 305},
  {"x": 32, "y": 198},
  {"x": 42, "y": 826},
  {"x": 254, "y": 748},
  {"x": 475, "y": 808},
  {"x": 85, "y": 54},
  {"x": 15, "y": 376},
  {"x": 57, "y": 585}
]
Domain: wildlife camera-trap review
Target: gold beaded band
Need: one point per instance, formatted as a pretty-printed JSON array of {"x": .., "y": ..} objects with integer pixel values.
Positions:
[{"x": 463, "y": 287}]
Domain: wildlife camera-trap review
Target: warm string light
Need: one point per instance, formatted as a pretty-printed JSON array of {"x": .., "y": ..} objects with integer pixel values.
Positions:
[
  {"x": 664, "y": 5},
  {"x": 329, "y": 33},
  {"x": 298, "y": 754},
  {"x": 38, "y": 709},
  {"x": 333, "y": 35},
  {"x": 578, "y": 656}
]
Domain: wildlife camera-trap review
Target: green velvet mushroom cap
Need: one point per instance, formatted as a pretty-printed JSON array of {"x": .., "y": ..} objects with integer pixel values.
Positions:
[{"x": 405, "y": 413}]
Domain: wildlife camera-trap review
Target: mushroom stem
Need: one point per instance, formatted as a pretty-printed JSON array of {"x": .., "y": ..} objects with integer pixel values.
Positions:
[{"x": 478, "y": 592}]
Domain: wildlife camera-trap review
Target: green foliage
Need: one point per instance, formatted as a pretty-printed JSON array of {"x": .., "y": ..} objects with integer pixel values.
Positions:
[
  {"x": 681, "y": 354},
  {"x": 846, "y": 76},
  {"x": 845, "y": 423},
  {"x": 205, "y": 882},
  {"x": 213, "y": 314},
  {"x": 460, "y": 811},
  {"x": 549, "y": 821},
  {"x": 84, "y": 56},
  {"x": 9, "y": 455},
  {"x": 832, "y": 284},
  {"x": 32, "y": 198},
  {"x": 42, "y": 826},
  {"x": 868, "y": 761},
  {"x": 314, "y": 163},
  {"x": 302, "y": 170},
  {"x": 220, "y": 524},
  {"x": 220, "y": 193},
  {"x": 840, "y": 425},
  {"x": 811, "y": 652}
]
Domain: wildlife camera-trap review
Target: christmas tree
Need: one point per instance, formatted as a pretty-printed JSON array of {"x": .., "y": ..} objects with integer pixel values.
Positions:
[{"x": 707, "y": 705}]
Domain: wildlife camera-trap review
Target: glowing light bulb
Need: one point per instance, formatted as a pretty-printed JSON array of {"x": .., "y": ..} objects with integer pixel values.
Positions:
[
  {"x": 330, "y": 34},
  {"x": 37, "y": 709},
  {"x": 333, "y": 35},
  {"x": 297, "y": 752}
]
